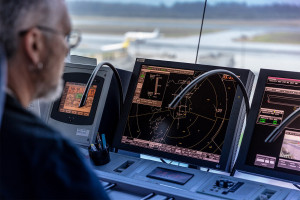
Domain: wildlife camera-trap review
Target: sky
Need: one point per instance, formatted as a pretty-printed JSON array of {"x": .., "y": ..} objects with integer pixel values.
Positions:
[{"x": 171, "y": 2}]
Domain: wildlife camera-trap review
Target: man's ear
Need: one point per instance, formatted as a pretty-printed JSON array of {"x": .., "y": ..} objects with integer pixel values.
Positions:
[{"x": 33, "y": 45}]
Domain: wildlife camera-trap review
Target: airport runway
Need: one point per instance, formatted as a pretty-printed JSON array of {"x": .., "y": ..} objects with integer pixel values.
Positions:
[{"x": 215, "y": 48}]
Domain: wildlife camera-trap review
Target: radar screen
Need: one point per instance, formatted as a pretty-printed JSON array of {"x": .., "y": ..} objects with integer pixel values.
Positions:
[
  {"x": 71, "y": 97},
  {"x": 281, "y": 97},
  {"x": 198, "y": 125}
]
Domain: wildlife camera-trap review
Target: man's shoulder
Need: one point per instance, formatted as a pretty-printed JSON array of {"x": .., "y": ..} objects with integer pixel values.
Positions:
[
  {"x": 26, "y": 131},
  {"x": 44, "y": 154},
  {"x": 22, "y": 123}
]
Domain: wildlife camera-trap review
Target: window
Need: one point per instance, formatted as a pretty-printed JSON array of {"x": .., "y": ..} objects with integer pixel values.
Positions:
[{"x": 249, "y": 34}]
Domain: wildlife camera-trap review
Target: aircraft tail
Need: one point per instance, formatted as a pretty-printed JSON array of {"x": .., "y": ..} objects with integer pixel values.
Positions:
[{"x": 126, "y": 44}]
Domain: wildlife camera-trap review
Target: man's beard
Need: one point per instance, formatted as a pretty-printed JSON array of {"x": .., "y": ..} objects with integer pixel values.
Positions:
[{"x": 54, "y": 93}]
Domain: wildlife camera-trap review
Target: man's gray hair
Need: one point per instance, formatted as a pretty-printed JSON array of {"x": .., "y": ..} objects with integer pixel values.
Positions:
[{"x": 12, "y": 14}]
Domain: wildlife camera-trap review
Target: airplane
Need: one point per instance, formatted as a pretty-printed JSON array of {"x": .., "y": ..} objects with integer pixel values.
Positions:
[
  {"x": 142, "y": 36},
  {"x": 119, "y": 50},
  {"x": 113, "y": 51},
  {"x": 114, "y": 47}
]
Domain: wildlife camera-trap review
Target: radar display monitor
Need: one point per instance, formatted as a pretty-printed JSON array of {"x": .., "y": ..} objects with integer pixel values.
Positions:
[
  {"x": 277, "y": 95},
  {"x": 199, "y": 131}
]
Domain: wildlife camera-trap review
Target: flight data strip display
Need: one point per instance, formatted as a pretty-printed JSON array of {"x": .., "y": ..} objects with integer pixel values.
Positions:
[{"x": 281, "y": 97}]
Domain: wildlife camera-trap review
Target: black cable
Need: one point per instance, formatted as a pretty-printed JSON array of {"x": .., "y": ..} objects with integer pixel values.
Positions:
[
  {"x": 232, "y": 173},
  {"x": 163, "y": 161},
  {"x": 272, "y": 137},
  {"x": 200, "y": 34},
  {"x": 200, "y": 78},
  {"x": 91, "y": 80},
  {"x": 297, "y": 186}
]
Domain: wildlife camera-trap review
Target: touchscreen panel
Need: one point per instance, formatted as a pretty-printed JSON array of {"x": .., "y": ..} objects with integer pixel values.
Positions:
[{"x": 71, "y": 97}]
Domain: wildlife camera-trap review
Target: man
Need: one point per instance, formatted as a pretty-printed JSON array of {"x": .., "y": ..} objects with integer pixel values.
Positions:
[{"x": 36, "y": 161}]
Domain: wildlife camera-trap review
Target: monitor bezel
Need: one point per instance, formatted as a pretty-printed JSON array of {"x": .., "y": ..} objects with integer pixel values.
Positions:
[
  {"x": 225, "y": 158},
  {"x": 251, "y": 122}
]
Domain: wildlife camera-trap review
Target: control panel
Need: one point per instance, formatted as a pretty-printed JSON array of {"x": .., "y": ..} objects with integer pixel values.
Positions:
[
  {"x": 234, "y": 188},
  {"x": 128, "y": 177}
]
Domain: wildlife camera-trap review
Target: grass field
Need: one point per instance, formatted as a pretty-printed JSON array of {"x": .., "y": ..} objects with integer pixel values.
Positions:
[{"x": 287, "y": 38}]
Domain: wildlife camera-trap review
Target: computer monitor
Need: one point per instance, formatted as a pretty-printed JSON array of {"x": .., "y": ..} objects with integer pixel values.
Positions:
[
  {"x": 277, "y": 95},
  {"x": 80, "y": 124},
  {"x": 202, "y": 130}
]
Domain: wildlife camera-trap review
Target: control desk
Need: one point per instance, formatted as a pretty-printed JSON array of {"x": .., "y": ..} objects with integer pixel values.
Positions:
[
  {"x": 125, "y": 177},
  {"x": 203, "y": 130},
  {"x": 149, "y": 127}
]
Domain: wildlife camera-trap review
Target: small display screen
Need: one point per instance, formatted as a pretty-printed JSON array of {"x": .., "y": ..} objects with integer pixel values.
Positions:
[
  {"x": 170, "y": 175},
  {"x": 281, "y": 97},
  {"x": 71, "y": 97}
]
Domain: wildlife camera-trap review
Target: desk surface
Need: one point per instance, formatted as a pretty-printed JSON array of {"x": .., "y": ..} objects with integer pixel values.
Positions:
[{"x": 132, "y": 182}]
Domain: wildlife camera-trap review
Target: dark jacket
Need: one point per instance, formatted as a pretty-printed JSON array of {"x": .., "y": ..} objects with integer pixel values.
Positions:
[{"x": 36, "y": 161}]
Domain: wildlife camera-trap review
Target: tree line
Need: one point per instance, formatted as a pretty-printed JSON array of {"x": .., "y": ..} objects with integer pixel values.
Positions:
[{"x": 186, "y": 10}]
